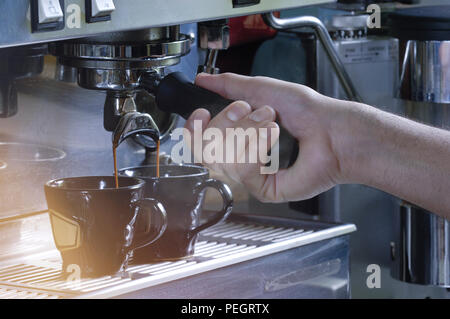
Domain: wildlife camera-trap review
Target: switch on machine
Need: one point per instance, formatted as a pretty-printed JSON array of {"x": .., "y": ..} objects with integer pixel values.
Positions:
[
  {"x": 49, "y": 11},
  {"x": 99, "y": 10},
  {"x": 47, "y": 15}
]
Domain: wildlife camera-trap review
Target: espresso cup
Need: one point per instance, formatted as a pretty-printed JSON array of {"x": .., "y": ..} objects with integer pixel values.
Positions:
[
  {"x": 181, "y": 189},
  {"x": 95, "y": 224}
]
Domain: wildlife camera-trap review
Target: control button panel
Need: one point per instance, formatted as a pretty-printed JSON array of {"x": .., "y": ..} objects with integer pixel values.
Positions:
[
  {"x": 99, "y": 10},
  {"x": 47, "y": 15}
]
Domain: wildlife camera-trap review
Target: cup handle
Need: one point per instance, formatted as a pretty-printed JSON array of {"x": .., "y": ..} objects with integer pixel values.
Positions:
[
  {"x": 227, "y": 197},
  {"x": 148, "y": 206}
]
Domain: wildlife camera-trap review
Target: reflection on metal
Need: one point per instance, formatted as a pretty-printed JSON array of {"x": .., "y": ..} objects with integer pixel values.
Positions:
[
  {"x": 426, "y": 71},
  {"x": 222, "y": 245},
  {"x": 423, "y": 253},
  {"x": 22, "y": 152},
  {"x": 324, "y": 269},
  {"x": 108, "y": 63}
]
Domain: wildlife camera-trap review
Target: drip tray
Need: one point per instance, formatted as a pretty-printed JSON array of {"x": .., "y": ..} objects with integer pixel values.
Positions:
[{"x": 241, "y": 238}]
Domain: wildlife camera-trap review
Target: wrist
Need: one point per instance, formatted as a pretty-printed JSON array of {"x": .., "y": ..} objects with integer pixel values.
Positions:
[{"x": 353, "y": 138}]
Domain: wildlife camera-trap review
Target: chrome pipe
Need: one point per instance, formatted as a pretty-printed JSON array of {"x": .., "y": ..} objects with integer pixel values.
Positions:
[{"x": 325, "y": 39}]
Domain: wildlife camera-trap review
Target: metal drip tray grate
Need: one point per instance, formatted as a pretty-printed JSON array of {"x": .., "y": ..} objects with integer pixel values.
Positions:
[{"x": 219, "y": 246}]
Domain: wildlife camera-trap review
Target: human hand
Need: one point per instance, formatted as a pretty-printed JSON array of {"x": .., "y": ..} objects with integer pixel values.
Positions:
[{"x": 306, "y": 114}]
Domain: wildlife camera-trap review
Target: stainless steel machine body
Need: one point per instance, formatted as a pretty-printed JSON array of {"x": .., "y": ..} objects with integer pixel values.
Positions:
[
  {"x": 139, "y": 14},
  {"x": 59, "y": 131}
]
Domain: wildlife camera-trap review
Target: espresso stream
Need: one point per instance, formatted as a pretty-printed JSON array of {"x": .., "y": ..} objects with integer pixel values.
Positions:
[{"x": 116, "y": 175}]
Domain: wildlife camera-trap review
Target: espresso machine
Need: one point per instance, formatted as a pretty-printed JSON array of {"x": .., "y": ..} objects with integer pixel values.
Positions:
[{"x": 82, "y": 76}]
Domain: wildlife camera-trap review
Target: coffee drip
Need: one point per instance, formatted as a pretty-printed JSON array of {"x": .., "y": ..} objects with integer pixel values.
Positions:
[
  {"x": 116, "y": 176},
  {"x": 129, "y": 122}
]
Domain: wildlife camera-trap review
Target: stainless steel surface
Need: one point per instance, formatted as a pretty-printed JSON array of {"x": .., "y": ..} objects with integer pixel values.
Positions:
[
  {"x": 119, "y": 63},
  {"x": 14, "y": 64},
  {"x": 326, "y": 41},
  {"x": 348, "y": 26},
  {"x": 213, "y": 36},
  {"x": 349, "y": 22},
  {"x": 137, "y": 14},
  {"x": 210, "y": 62},
  {"x": 22, "y": 152},
  {"x": 436, "y": 114},
  {"x": 65, "y": 73},
  {"x": 37, "y": 274},
  {"x": 426, "y": 72},
  {"x": 421, "y": 254},
  {"x": 112, "y": 51},
  {"x": 109, "y": 63},
  {"x": 372, "y": 63},
  {"x": 132, "y": 123}
]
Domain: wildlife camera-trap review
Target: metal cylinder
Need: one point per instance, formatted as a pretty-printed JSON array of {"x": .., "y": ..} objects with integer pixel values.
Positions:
[
  {"x": 421, "y": 252},
  {"x": 424, "y": 243},
  {"x": 426, "y": 71}
]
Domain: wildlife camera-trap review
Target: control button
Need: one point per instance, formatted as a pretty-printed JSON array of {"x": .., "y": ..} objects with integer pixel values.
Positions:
[
  {"x": 99, "y": 10},
  {"x": 49, "y": 11},
  {"x": 47, "y": 15},
  {"x": 245, "y": 3},
  {"x": 102, "y": 8}
]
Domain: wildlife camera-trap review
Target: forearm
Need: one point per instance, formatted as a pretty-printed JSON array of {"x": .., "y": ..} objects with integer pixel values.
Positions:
[{"x": 399, "y": 156}]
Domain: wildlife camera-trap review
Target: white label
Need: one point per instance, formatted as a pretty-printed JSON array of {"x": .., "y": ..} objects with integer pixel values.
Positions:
[{"x": 372, "y": 51}]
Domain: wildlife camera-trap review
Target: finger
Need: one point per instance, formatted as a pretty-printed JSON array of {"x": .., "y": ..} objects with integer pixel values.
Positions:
[
  {"x": 300, "y": 181},
  {"x": 201, "y": 115},
  {"x": 256, "y": 91},
  {"x": 197, "y": 122},
  {"x": 232, "y": 114},
  {"x": 246, "y": 151},
  {"x": 244, "y": 129},
  {"x": 225, "y": 119},
  {"x": 247, "y": 145},
  {"x": 255, "y": 124}
]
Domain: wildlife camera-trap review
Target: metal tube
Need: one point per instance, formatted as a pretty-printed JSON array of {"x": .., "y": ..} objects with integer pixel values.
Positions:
[{"x": 325, "y": 39}]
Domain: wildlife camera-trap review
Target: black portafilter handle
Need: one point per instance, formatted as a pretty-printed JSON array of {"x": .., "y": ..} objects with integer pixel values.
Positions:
[{"x": 176, "y": 94}]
